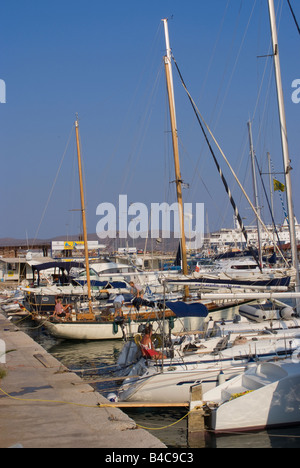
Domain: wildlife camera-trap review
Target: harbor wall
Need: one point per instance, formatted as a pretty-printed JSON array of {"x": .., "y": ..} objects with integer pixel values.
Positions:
[{"x": 44, "y": 405}]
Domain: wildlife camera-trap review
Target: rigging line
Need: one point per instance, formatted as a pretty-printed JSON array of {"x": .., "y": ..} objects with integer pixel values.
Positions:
[
  {"x": 294, "y": 16},
  {"x": 286, "y": 216},
  {"x": 197, "y": 173},
  {"x": 214, "y": 157},
  {"x": 138, "y": 143},
  {"x": 268, "y": 90},
  {"x": 236, "y": 61},
  {"x": 227, "y": 64},
  {"x": 267, "y": 198},
  {"x": 125, "y": 126},
  {"x": 214, "y": 50},
  {"x": 222, "y": 80},
  {"x": 72, "y": 221},
  {"x": 263, "y": 120},
  {"x": 228, "y": 57},
  {"x": 233, "y": 204},
  {"x": 235, "y": 64},
  {"x": 262, "y": 82},
  {"x": 53, "y": 186},
  {"x": 199, "y": 118}
]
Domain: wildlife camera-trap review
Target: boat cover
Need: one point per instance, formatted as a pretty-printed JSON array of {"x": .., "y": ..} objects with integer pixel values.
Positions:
[
  {"x": 62, "y": 265},
  {"x": 182, "y": 309}
]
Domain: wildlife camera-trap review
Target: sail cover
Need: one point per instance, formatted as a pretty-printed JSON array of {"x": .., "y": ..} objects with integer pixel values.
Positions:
[{"x": 182, "y": 309}]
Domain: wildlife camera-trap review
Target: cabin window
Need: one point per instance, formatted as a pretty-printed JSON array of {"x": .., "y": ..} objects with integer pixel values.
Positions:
[{"x": 244, "y": 267}]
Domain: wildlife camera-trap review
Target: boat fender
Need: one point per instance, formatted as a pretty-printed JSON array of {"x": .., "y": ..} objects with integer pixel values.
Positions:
[
  {"x": 115, "y": 328},
  {"x": 112, "y": 397},
  {"x": 287, "y": 313},
  {"x": 221, "y": 378},
  {"x": 171, "y": 322},
  {"x": 253, "y": 314}
]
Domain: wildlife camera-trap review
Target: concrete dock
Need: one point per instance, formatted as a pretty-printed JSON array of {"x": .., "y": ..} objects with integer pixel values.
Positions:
[{"x": 43, "y": 405}]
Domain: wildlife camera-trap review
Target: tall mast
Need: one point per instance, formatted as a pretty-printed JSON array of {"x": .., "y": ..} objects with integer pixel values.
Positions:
[
  {"x": 170, "y": 87},
  {"x": 271, "y": 195},
  {"x": 86, "y": 250},
  {"x": 284, "y": 142},
  {"x": 255, "y": 191}
]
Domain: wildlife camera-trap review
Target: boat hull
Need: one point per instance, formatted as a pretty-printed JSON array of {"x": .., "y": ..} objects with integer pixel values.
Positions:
[
  {"x": 277, "y": 405},
  {"x": 96, "y": 330},
  {"x": 168, "y": 388},
  {"x": 170, "y": 381}
]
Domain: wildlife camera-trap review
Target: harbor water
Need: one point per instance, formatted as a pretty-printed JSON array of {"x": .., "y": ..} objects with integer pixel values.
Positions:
[{"x": 95, "y": 360}]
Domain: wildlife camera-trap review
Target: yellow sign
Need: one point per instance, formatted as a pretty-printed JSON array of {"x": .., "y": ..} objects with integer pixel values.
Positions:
[{"x": 73, "y": 245}]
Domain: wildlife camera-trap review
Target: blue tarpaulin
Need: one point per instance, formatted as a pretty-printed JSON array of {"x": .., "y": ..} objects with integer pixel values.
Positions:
[{"x": 183, "y": 309}]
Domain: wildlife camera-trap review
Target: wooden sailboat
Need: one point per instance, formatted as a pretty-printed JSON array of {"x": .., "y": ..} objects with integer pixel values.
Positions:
[
  {"x": 83, "y": 214},
  {"x": 178, "y": 180},
  {"x": 99, "y": 324}
]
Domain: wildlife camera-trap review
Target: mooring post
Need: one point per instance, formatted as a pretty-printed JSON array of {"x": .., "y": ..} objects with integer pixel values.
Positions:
[{"x": 196, "y": 420}]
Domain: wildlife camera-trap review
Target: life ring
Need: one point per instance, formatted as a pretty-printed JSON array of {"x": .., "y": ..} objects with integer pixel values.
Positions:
[
  {"x": 158, "y": 340},
  {"x": 137, "y": 339}
]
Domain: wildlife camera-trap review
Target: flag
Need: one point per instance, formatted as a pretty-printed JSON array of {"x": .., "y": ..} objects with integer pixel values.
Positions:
[{"x": 278, "y": 186}]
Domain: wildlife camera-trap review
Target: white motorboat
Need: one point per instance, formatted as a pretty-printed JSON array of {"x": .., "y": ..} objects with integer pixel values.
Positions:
[{"x": 267, "y": 395}]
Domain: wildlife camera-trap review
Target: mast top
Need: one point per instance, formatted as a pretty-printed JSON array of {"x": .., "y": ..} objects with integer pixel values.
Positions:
[{"x": 168, "y": 46}]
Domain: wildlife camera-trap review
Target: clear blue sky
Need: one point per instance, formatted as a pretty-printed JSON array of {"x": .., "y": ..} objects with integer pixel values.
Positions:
[{"x": 103, "y": 59}]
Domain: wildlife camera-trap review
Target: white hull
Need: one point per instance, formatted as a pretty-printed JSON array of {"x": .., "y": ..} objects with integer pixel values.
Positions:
[
  {"x": 273, "y": 401},
  {"x": 85, "y": 331},
  {"x": 174, "y": 387},
  {"x": 181, "y": 373},
  {"x": 105, "y": 331}
]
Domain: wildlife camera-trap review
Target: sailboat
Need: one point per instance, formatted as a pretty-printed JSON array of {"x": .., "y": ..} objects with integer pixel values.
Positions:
[
  {"x": 101, "y": 324},
  {"x": 179, "y": 373},
  {"x": 167, "y": 378},
  {"x": 95, "y": 323}
]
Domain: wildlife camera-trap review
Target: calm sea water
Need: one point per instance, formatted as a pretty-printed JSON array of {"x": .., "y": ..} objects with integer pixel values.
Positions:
[{"x": 96, "y": 360}]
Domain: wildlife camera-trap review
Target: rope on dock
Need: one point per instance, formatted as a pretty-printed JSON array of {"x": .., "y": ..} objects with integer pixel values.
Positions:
[{"x": 98, "y": 406}]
